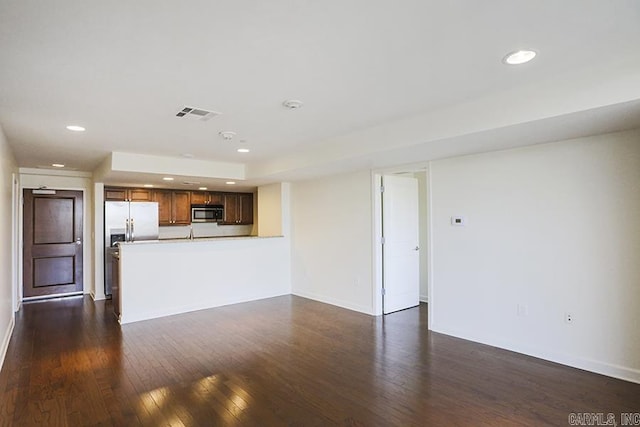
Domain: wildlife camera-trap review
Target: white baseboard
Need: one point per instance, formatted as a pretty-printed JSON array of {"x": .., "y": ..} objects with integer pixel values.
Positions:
[
  {"x": 334, "y": 301},
  {"x": 598, "y": 367},
  {"x": 6, "y": 339},
  {"x": 96, "y": 298}
]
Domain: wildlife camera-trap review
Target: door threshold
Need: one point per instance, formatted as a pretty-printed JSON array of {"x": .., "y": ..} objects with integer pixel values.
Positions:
[{"x": 27, "y": 300}]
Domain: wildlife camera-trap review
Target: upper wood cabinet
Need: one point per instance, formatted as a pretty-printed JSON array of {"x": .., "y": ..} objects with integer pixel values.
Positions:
[
  {"x": 206, "y": 198},
  {"x": 119, "y": 194},
  {"x": 238, "y": 208},
  {"x": 174, "y": 207}
]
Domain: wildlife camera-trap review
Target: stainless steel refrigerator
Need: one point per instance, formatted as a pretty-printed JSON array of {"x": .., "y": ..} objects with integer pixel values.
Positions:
[{"x": 126, "y": 222}]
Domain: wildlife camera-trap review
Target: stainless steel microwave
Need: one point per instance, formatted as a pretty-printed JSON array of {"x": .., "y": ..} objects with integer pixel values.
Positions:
[{"x": 207, "y": 213}]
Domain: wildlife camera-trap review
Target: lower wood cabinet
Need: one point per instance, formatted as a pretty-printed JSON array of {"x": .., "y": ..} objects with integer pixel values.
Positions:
[{"x": 174, "y": 207}]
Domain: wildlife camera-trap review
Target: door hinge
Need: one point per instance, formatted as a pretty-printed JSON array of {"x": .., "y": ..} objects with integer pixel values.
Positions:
[
  {"x": 382, "y": 240},
  {"x": 384, "y": 292},
  {"x": 382, "y": 188}
]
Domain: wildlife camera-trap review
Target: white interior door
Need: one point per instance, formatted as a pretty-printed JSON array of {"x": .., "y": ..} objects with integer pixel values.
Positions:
[{"x": 400, "y": 251}]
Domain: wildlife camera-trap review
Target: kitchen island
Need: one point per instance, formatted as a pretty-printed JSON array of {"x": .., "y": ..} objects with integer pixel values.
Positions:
[{"x": 166, "y": 277}]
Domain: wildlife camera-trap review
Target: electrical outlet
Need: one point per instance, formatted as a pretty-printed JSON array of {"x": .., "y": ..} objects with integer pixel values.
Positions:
[
  {"x": 568, "y": 318},
  {"x": 523, "y": 310}
]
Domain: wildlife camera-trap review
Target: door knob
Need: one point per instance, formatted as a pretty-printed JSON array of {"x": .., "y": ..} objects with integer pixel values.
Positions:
[
  {"x": 417, "y": 248},
  {"x": 78, "y": 241}
]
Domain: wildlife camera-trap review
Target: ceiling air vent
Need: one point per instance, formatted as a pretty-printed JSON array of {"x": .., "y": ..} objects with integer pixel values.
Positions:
[{"x": 197, "y": 113}]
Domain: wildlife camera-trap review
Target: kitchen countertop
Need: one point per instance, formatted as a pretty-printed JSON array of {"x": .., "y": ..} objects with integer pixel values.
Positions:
[{"x": 195, "y": 240}]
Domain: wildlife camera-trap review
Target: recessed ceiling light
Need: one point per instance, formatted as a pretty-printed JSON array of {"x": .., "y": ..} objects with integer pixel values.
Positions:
[
  {"x": 243, "y": 150},
  {"x": 167, "y": 178},
  {"x": 57, "y": 165},
  {"x": 230, "y": 182},
  {"x": 187, "y": 156},
  {"x": 148, "y": 185},
  {"x": 292, "y": 104},
  {"x": 76, "y": 128},
  {"x": 519, "y": 57},
  {"x": 202, "y": 188}
]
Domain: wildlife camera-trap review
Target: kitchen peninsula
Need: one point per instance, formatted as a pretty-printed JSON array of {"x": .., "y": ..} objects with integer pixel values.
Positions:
[{"x": 161, "y": 278}]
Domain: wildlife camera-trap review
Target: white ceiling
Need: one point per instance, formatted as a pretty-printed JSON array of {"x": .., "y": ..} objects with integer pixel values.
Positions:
[{"x": 381, "y": 81}]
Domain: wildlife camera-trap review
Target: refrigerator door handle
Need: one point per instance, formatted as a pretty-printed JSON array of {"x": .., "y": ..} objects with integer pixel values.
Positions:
[
  {"x": 126, "y": 230},
  {"x": 131, "y": 232}
]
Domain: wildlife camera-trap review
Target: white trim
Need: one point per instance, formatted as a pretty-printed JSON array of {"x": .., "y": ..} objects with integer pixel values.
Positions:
[
  {"x": 595, "y": 366},
  {"x": 87, "y": 233},
  {"x": 97, "y": 298},
  {"x": 335, "y": 301},
  {"x": 97, "y": 291},
  {"x": 430, "y": 281},
  {"x": 55, "y": 172},
  {"x": 376, "y": 184},
  {"x": 6, "y": 339},
  {"x": 52, "y": 296},
  {"x": 15, "y": 241}
]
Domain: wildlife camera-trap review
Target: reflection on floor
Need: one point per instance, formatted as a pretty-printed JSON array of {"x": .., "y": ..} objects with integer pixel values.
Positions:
[{"x": 280, "y": 361}]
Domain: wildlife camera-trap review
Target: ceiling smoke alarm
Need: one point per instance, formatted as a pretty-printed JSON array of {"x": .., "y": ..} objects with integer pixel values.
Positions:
[
  {"x": 292, "y": 104},
  {"x": 227, "y": 135},
  {"x": 197, "y": 113}
]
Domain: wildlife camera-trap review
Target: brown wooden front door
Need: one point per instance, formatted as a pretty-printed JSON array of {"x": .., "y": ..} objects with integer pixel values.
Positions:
[{"x": 52, "y": 242}]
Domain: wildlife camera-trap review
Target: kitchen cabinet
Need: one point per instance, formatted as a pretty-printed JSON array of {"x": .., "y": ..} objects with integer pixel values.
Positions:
[
  {"x": 174, "y": 207},
  {"x": 238, "y": 208},
  {"x": 121, "y": 194},
  {"x": 206, "y": 198}
]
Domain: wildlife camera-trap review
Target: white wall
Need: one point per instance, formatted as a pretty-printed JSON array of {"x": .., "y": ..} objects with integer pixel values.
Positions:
[
  {"x": 270, "y": 210},
  {"x": 332, "y": 240},
  {"x": 69, "y": 180},
  {"x": 7, "y": 169},
  {"x": 554, "y": 228}
]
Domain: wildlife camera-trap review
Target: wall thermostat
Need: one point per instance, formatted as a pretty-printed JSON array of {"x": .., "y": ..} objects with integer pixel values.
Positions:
[{"x": 458, "y": 221}]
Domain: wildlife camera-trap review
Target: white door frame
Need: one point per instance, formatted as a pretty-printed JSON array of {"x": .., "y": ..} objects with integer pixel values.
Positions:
[
  {"x": 16, "y": 198},
  {"x": 376, "y": 183},
  {"x": 32, "y": 181}
]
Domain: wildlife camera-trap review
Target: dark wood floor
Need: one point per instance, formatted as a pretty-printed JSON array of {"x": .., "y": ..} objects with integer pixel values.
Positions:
[{"x": 281, "y": 361}]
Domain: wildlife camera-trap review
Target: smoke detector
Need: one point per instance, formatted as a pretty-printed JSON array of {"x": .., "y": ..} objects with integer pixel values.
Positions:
[
  {"x": 292, "y": 104},
  {"x": 227, "y": 135},
  {"x": 196, "y": 113}
]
